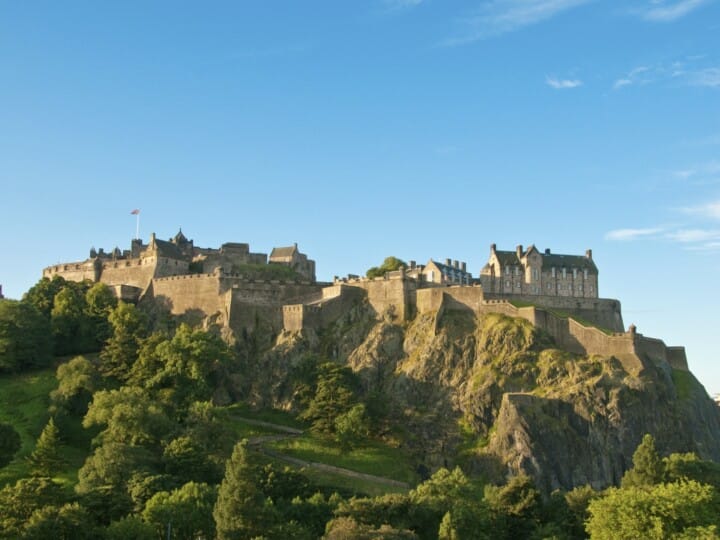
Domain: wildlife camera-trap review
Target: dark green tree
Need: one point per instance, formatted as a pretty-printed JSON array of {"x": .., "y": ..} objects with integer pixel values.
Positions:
[
  {"x": 648, "y": 468},
  {"x": 121, "y": 351},
  {"x": 390, "y": 264},
  {"x": 67, "y": 522},
  {"x": 69, "y": 322},
  {"x": 515, "y": 506},
  {"x": 19, "y": 501},
  {"x": 42, "y": 294},
  {"x": 25, "y": 337},
  {"x": 130, "y": 528},
  {"x": 336, "y": 393},
  {"x": 241, "y": 511},
  {"x": 10, "y": 443},
  {"x": 100, "y": 301},
  {"x": 45, "y": 460}
]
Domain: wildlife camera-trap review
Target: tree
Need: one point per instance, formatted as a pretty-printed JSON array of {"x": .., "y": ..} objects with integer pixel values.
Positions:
[
  {"x": 516, "y": 506},
  {"x": 45, "y": 459},
  {"x": 130, "y": 528},
  {"x": 657, "y": 511},
  {"x": 648, "y": 468},
  {"x": 77, "y": 379},
  {"x": 390, "y": 264},
  {"x": 19, "y": 501},
  {"x": 42, "y": 294},
  {"x": 100, "y": 302},
  {"x": 25, "y": 337},
  {"x": 69, "y": 322},
  {"x": 335, "y": 395},
  {"x": 352, "y": 427},
  {"x": 241, "y": 510},
  {"x": 10, "y": 443},
  {"x": 121, "y": 351},
  {"x": 187, "y": 511},
  {"x": 68, "y": 522}
]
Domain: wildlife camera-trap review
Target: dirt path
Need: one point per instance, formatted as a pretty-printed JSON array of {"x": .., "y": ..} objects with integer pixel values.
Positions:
[{"x": 259, "y": 442}]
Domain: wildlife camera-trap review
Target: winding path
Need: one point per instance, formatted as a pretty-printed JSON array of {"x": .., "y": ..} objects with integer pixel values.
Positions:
[{"x": 259, "y": 442}]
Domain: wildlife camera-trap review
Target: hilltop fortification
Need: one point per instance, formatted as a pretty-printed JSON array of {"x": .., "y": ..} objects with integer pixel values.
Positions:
[{"x": 239, "y": 290}]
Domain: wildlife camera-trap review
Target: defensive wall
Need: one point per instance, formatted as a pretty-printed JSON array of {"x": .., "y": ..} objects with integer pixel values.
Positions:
[
  {"x": 393, "y": 291},
  {"x": 241, "y": 302},
  {"x": 632, "y": 348},
  {"x": 335, "y": 301}
]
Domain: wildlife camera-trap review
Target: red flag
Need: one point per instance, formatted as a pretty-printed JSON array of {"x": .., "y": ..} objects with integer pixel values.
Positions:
[{"x": 135, "y": 212}]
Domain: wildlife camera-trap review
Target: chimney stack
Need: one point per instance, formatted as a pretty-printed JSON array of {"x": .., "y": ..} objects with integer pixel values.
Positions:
[
  {"x": 413, "y": 264},
  {"x": 547, "y": 251},
  {"x": 448, "y": 262},
  {"x": 463, "y": 266},
  {"x": 588, "y": 254},
  {"x": 518, "y": 251},
  {"x": 492, "y": 248},
  {"x": 456, "y": 264}
]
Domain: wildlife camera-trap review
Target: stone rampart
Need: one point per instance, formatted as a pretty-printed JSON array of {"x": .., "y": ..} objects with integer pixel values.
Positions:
[
  {"x": 392, "y": 292},
  {"x": 335, "y": 302},
  {"x": 191, "y": 292},
  {"x": 603, "y": 312},
  {"x": 75, "y": 271}
]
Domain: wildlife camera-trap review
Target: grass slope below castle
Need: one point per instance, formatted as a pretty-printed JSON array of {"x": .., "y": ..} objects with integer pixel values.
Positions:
[{"x": 24, "y": 401}]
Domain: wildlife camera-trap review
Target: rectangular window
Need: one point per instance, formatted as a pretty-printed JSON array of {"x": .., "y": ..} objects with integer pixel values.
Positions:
[
  {"x": 574, "y": 273},
  {"x": 585, "y": 273},
  {"x": 507, "y": 284},
  {"x": 553, "y": 271},
  {"x": 564, "y": 273}
]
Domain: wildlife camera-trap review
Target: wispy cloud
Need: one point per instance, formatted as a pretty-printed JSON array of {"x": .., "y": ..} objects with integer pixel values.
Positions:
[
  {"x": 708, "y": 210},
  {"x": 664, "y": 11},
  {"x": 633, "y": 234},
  {"x": 501, "y": 16},
  {"x": 683, "y": 72},
  {"x": 687, "y": 236},
  {"x": 562, "y": 84},
  {"x": 402, "y": 4},
  {"x": 705, "y": 77}
]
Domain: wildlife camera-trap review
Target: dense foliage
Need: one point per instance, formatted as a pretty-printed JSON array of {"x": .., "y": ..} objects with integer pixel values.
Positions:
[
  {"x": 164, "y": 461},
  {"x": 390, "y": 264}
]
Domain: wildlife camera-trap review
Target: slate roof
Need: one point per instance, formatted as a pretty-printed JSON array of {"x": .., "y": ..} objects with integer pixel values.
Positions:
[
  {"x": 510, "y": 258},
  {"x": 168, "y": 250},
  {"x": 283, "y": 252},
  {"x": 447, "y": 269}
]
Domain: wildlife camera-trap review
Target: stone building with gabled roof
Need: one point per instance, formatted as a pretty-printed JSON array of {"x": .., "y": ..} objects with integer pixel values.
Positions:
[
  {"x": 450, "y": 273},
  {"x": 291, "y": 256},
  {"x": 534, "y": 273}
]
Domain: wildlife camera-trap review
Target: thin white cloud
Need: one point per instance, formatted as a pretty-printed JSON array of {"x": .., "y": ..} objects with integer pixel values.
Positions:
[
  {"x": 501, "y": 16},
  {"x": 400, "y": 4},
  {"x": 705, "y": 77},
  {"x": 562, "y": 84},
  {"x": 661, "y": 11},
  {"x": 709, "y": 210},
  {"x": 638, "y": 75},
  {"x": 687, "y": 236},
  {"x": 632, "y": 234}
]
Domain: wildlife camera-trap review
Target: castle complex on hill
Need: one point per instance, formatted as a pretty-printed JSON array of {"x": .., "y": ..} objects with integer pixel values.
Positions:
[{"x": 241, "y": 291}]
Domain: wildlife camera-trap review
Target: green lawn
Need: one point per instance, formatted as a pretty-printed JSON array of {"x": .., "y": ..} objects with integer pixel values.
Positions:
[
  {"x": 23, "y": 403},
  {"x": 371, "y": 458},
  {"x": 273, "y": 416}
]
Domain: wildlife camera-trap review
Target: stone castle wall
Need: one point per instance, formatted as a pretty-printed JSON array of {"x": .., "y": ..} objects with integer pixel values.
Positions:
[
  {"x": 75, "y": 271},
  {"x": 393, "y": 292},
  {"x": 633, "y": 350}
]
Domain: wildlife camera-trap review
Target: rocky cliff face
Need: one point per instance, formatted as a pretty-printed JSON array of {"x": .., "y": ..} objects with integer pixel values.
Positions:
[{"x": 494, "y": 395}]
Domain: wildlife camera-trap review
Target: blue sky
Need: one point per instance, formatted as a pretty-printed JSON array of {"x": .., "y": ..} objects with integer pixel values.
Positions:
[{"x": 361, "y": 129}]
